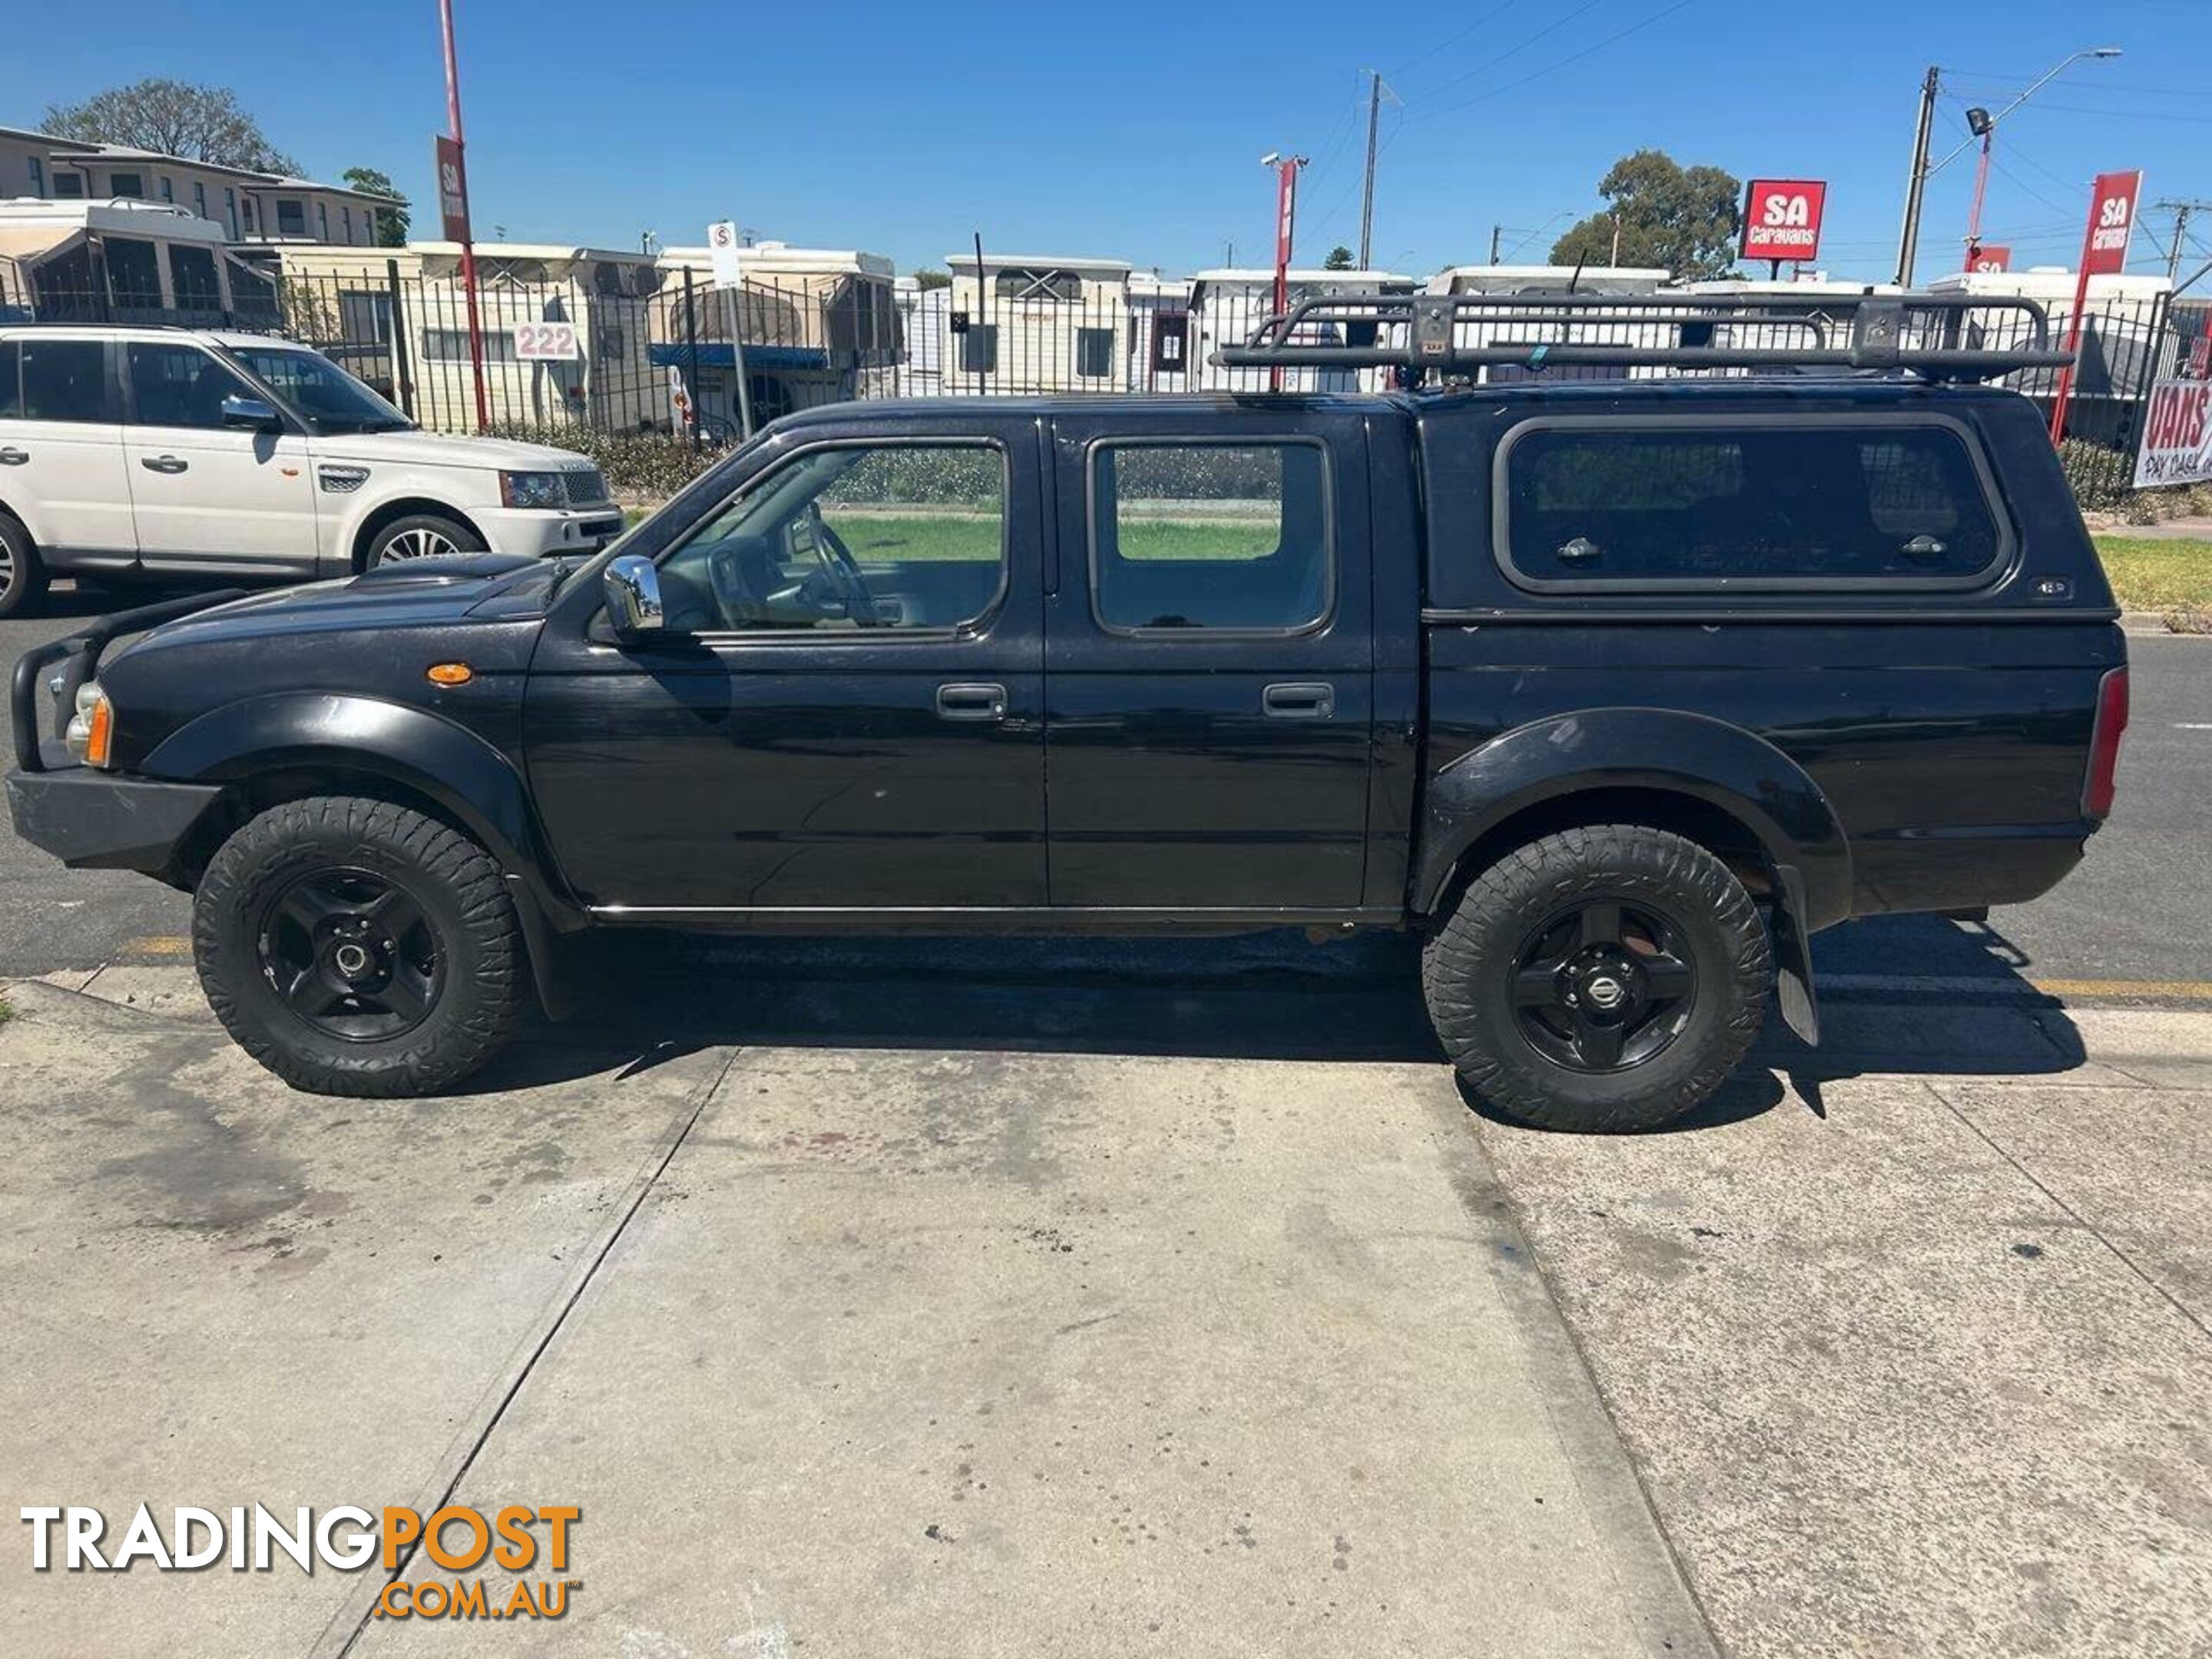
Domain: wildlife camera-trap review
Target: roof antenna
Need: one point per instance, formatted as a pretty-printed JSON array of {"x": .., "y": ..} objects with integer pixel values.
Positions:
[{"x": 1580, "y": 260}]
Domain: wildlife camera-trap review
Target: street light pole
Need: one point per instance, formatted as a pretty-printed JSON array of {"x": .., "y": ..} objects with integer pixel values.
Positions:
[
  {"x": 1908, "y": 238},
  {"x": 1984, "y": 125}
]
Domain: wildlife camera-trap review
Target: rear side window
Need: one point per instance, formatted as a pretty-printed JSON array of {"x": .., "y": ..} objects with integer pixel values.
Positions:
[
  {"x": 1232, "y": 537},
  {"x": 65, "y": 380},
  {"x": 180, "y": 386},
  {"x": 1677, "y": 505}
]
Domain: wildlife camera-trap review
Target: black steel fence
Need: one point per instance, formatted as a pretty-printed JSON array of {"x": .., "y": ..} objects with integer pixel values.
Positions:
[{"x": 630, "y": 346}]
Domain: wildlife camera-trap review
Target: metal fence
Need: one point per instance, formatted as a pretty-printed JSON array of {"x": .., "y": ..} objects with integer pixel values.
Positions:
[{"x": 607, "y": 345}]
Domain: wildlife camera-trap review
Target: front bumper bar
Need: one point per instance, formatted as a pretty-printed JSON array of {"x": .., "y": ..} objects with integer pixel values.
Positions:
[{"x": 92, "y": 821}]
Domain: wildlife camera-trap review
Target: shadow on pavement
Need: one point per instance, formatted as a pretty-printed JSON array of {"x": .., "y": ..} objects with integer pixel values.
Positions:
[{"x": 1264, "y": 996}]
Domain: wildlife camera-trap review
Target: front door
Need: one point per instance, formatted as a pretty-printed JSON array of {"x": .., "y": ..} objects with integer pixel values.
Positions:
[
  {"x": 1209, "y": 662},
  {"x": 847, "y": 712},
  {"x": 211, "y": 499}
]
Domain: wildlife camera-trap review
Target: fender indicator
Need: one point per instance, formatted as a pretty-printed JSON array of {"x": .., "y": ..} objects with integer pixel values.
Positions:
[{"x": 449, "y": 673}]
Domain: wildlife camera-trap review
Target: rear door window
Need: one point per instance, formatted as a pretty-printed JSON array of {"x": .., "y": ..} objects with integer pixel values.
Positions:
[
  {"x": 66, "y": 381},
  {"x": 1795, "y": 502},
  {"x": 1231, "y": 536}
]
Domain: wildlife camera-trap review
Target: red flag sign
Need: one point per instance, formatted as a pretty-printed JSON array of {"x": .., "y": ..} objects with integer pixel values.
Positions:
[
  {"x": 1781, "y": 218},
  {"x": 1991, "y": 257},
  {"x": 453, "y": 191},
  {"x": 2112, "y": 223}
]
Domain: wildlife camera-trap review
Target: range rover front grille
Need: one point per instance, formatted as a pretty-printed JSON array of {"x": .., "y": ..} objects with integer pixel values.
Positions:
[{"x": 585, "y": 486}]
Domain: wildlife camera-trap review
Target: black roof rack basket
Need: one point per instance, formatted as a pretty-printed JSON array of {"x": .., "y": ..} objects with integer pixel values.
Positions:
[{"x": 1939, "y": 336}]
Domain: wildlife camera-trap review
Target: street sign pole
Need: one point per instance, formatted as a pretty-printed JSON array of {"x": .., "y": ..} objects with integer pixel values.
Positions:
[
  {"x": 457, "y": 162},
  {"x": 729, "y": 277},
  {"x": 2104, "y": 251}
]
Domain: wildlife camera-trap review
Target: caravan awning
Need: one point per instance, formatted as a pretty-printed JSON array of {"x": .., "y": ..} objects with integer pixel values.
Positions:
[
  {"x": 26, "y": 245},
  {"x": 716, "y": 354}
]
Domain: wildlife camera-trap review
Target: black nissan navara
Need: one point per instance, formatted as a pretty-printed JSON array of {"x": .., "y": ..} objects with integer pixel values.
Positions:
[{"x": 1615, "y": 670}]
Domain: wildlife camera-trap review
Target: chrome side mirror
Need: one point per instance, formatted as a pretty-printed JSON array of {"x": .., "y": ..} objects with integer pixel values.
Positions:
[
  {"x": 632, "y": 586},
  {"x": 256, "y": 414}
]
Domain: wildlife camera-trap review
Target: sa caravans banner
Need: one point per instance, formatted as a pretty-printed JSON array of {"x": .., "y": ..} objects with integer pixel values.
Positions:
[
  {"x": 1782, "y": 219},
  {"x": 2177, "y": 436}
]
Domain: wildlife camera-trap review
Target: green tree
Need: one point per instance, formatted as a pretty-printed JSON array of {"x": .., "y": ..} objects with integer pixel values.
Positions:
[
  {"x": 929, "y": 279},
  {"x": 391, "y": 221},
  {"x": 173, "y": 117},
  {"x": 1683, "y": 219},
  {"x": 1340, "y": 258}
]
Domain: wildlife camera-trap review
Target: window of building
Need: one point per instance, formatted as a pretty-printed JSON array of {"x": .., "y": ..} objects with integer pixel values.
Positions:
[
  {"x": 245, "y": 208},
  {"x": 68, "y": 183},
  {"x": 451, "y": 345},
  {"x": 1805, "y": 502},
  {"x": 192, "y": 279},
  {"x": 1057, "y": 287},
  {"x": 345, "y": 218},
  {"x": 1190, "y": 535},
  {"x": 979, "y": 348},
  {"x": 168, "y": 188},
  {"x": 126, "y": 184},
  {"x": 65, "y": 380},
  {"x": 1094, "y": 353},
  {"x": 38, "y": 175},
  {"x": 323, "y": 220},
  {"x": 291, "y": 218},
  {"x": 180, "y": 386},
  {"x": 134, "y": 273},
  {"x": 199, "y": 198},
  {"x": 230, "y": 210},
  {"x": 879, "y": 537}
]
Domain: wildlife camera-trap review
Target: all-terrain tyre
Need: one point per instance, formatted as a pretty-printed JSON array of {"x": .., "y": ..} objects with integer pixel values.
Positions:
[
  {"x": 1599, "y": 979},
  {"x": 420, "y": 536},
  {"x": 22, "y": 573},
  {"x": 356, "y": 947}
]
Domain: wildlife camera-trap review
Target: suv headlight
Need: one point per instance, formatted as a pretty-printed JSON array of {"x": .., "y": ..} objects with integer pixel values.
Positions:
[
  {"x": 92, "y": 728},
  {"x": 532, "y": 490}
]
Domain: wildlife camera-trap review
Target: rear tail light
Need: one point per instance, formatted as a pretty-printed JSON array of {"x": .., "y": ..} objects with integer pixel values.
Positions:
[{"x": 2105, "y": 743}]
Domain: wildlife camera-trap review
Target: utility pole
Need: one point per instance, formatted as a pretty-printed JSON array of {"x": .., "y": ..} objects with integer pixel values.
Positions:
[
  {"x": 1376, "y": 90},
  {"x": 1908, "y": 241},
  {"x": 2181, "y": 211},
  {"x": 1497, "y": 235}
]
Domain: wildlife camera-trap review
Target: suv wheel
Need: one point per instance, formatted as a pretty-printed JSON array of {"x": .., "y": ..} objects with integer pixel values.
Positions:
[
  {"x": 1601, "y": 979},
  {"x": 22, "y": 576},
  {"x": 355, "y": 947},
  {"x": 421, "y": 535}
]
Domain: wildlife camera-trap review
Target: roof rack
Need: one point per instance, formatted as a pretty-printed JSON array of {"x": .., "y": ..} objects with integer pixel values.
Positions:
[{"x": 1940, "y": 337}]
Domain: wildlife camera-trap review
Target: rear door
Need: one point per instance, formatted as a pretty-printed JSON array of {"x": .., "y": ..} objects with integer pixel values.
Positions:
[
  {"x": 209, "y": 498},
  {"x": 1209, "y": 661},
  {"x": 61, "y": 450}
]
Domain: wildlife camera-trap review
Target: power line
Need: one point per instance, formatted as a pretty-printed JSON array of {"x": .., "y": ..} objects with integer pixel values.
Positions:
[
  {"x": 1490, "y": 63},
  {"x": 1454, "y": 39},
  {"x": 2129, "y": 114},
  {"x": 1564, "y": 63}
]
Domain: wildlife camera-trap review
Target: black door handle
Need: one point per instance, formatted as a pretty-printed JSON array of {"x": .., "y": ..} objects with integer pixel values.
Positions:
[
  {"x": 12, "y": 457},
  {"x": 971, "y": 703},
  {"x": 1300, "y": 701},
  {"x": 162, "y": 464}
]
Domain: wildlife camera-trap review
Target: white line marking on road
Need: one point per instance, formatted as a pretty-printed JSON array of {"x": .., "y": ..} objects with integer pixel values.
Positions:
[{"x": 2192, "y": 726}]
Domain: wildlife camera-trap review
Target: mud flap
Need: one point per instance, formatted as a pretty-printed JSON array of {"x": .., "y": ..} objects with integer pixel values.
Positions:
[{"x": 1793, "y": 957}]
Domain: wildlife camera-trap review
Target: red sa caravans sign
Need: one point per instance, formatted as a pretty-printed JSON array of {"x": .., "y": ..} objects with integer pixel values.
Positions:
[
  {"x": 2112, "y": 223},
  {"x": 1781, "y": 218}
]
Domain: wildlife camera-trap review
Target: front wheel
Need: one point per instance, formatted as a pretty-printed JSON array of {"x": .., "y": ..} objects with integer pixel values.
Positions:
[
  {"x": 356, "y": 947},
  {"x": 22, "y": 577},
  {"x": 1598, "y": 979},
  {"x": 421, "y": 535}
]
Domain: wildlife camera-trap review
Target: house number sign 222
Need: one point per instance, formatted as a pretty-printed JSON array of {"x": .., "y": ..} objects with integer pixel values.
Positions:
[{"x": 545, "y": 341}]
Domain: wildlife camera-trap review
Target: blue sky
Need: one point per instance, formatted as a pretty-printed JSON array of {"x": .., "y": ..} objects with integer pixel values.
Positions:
[{"x": 1136, "y": 130}]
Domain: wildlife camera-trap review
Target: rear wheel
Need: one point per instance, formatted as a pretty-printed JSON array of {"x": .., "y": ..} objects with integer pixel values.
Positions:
[
  {"x": 421, "y": 535},
  {"x": 356, "y": 947},
  {"x": 22, "y": 575},
  {"x": 1607, "y": 978}
]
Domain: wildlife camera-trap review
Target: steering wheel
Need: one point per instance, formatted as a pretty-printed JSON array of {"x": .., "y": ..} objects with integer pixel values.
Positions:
[{"x": 842, "y": 569}]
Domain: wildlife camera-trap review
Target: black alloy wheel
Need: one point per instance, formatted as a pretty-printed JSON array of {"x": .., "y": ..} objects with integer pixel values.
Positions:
[
  {"x": 351, "y": 953},
  {"x": 1603, "y": 985}
]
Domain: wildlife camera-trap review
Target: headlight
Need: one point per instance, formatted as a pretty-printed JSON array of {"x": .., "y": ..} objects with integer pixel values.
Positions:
[
  {"x": 92, "y": 726},
  {"x": 532, "y": 490}
]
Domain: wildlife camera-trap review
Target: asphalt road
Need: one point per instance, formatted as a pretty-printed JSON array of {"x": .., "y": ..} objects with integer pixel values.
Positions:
[{"x": 2137, "y": 915}]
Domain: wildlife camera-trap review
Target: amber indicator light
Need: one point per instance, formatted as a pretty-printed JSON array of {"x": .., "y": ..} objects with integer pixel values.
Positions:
[{"x": 450, "y": 673}]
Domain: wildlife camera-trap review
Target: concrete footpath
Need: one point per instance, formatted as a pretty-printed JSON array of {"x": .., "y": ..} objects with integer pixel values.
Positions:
[
  {"x": 911, "y": 1352},
  {"x": 1125, "y": 1320}
]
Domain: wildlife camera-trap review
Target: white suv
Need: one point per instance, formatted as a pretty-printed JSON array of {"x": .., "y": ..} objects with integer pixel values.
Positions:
[{"x": 185, "y": 454}]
